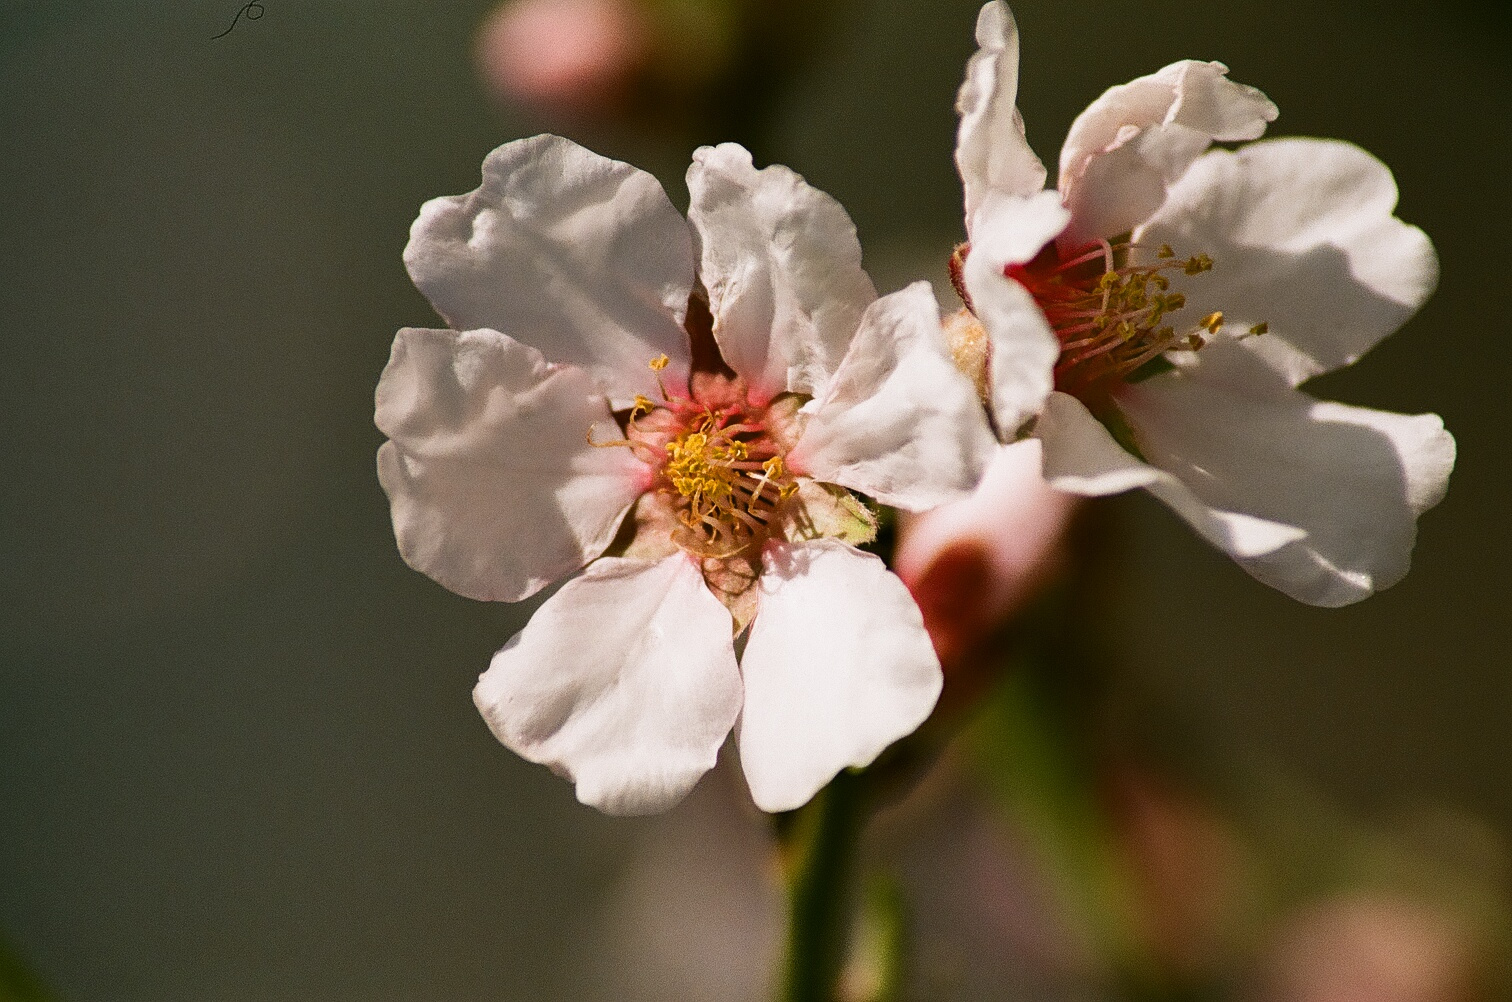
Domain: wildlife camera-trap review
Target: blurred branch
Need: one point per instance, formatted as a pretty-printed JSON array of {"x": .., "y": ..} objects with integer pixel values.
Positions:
[
  {"x": 879, "y": 959},
  {"x": 819, "y": 843}
]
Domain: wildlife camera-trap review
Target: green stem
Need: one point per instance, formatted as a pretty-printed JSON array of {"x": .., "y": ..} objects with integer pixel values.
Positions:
[{"x": 821, "y": 847}]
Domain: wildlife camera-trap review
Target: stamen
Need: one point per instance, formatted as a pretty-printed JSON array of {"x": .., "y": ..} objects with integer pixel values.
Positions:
[
  {"x": 730, "y": 478},
  {"x": 1112, "y": 322}
]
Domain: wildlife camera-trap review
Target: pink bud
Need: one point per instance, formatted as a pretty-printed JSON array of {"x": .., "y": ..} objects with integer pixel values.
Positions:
[
  {"x": 570, "y": 57},
  {"x": 973, "y": 564}
]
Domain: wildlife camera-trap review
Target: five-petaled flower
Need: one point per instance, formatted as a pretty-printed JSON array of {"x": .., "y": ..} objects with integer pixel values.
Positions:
[
  {"x": 677, "y": 408},
  {"x": 1150, "y": 321}
]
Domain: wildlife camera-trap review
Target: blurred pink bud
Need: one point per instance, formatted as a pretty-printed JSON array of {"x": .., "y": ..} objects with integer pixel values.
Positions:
[
  {"x": 572, "y": 57},
  {"x": 1376, "y": 948},
  {"x": 975, "y": 563}
]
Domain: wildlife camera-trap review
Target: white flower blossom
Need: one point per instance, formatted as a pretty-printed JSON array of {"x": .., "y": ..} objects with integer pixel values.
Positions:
[
  {"x": 1151, "y": 318},
  {"x": 591, "y": 411}
]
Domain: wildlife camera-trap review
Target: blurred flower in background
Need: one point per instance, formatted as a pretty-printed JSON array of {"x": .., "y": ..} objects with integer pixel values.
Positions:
[
  {"x": 567, "y": 58},
  {"x": 573, "y": 56},
  {"x": 705, "y": 65}
]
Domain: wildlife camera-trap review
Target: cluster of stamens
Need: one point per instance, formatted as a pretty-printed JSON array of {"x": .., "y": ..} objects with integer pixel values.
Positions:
[
  {"x": 720, "y": 465},
  {"x": 1111, "y": 316}
]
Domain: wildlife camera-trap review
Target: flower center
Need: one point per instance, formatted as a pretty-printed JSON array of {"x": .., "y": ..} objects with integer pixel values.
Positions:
[
  {"x": 714, "y": 453},
  {"x": 1111, "y": 316}
]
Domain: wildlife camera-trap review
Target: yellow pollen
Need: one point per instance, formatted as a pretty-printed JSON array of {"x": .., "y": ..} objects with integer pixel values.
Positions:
[
  {"x": 730, "y": 485},
  {"x": 658, "y": 363},
  {"x": 1212, "y": 322},
  {"x": 1260, "y": 328}
]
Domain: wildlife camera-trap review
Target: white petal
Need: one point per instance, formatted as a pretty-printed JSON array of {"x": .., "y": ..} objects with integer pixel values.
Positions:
[
  {"x": 1081, "y": 457},
  {"x": 624, "y": 681},
  {"x": 1352, "y": 480},
  {"x": 1302, "y": 238},
  {"x": 1138, "y": 138},
  {"x": 1012, "y": 229},
  {"x": 579, "y": 256},
  {"x": 991, "y": 151},
  {"x": 494, "y": 489},
  {"x": 783, "y": 268},
  {"x": 1024, "y": 349},
  {"x": 837, "y": 668},
  {"x": 898, "y": 421}
]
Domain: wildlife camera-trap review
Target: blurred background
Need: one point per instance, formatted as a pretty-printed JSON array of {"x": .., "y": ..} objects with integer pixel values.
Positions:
[{"x": 238, "y": 755}]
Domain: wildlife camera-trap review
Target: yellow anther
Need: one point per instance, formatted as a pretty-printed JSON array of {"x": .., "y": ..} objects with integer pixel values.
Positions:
[
  {"x": 1195, "y": 342},
  {"x": 643, "y": 405},
  {"x": 725, "y": 506},
  {"x": 659, "y": 363},
  {"x": 1198, "y": 264},
  {"x": 1108, "y": 280},
  {"x": 1212, "y": 322},
  {"x": 1260, "y": 328},
  {"x": 1165, "y": 251}
]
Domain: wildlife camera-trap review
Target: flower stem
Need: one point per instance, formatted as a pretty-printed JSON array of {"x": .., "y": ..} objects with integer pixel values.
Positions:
[{"x": 820, "y": 849}]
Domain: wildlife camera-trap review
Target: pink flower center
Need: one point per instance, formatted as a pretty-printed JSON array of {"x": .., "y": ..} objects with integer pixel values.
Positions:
[
  {"x": 1111, "y": 317},
  {"x": 716, "y": 455}
]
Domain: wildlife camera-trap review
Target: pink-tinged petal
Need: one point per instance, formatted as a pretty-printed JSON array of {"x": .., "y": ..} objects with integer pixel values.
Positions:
[
  {"x": 838, "y": 667},
  {"x": 898, "y": 421},
  {"x": 576, "y": 255},
  {"x": 1137, "y": 139},
  {"x": 1082, "y": 457},
  {"x": 1351, "y": 481},
  {"x": 783, "y": 268},
  {"x": 624, "y": 682},
  {"x": 1012, "y": 230},
  {"x": 494, "y": 489},
  {"x": 991, "y": 151},
  {"x": 1303, "y": 239},
  {"x": 973, "y": 564}
]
